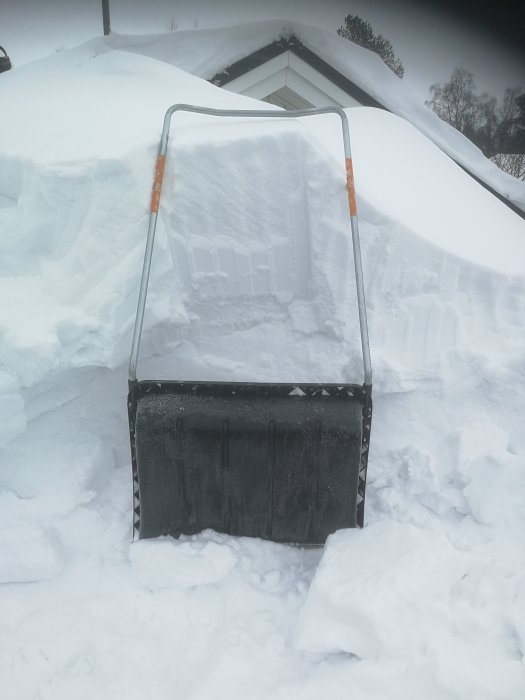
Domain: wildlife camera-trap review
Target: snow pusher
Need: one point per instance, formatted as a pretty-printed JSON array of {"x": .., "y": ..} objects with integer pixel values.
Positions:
[{"x": 284, "y": 462}]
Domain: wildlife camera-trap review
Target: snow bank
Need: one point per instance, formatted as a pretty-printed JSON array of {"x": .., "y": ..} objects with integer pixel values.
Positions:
[
  {"x": 424, "y": 192},
  {"x": 206, "y": 52},
  {"x": 92, "y": 102},
  {"x": 253, "y": 220}
]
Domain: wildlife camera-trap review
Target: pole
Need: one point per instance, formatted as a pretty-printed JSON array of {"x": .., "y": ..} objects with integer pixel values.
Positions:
[{"x": 105, "y": 17}]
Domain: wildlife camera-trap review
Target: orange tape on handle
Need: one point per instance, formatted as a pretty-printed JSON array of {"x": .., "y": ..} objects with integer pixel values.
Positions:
[
  {"x": 157, "y": 184},
  {"x": 350, "y": 187}
]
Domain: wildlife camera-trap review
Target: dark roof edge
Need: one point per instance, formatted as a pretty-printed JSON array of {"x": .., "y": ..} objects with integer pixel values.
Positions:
[{"x": 293, "y": 43}]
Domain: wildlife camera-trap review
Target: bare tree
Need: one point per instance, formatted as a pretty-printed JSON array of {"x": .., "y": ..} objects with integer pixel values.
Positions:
[
  {"x": 456, "y": 101},
  {"x": 511, "y": 127},
  {"x": 485, "y": 131},
  {"x": 498, "y": 130}
]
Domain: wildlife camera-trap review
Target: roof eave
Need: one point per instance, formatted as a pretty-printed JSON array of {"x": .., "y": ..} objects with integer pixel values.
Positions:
[{"x": 293, "y": 44}]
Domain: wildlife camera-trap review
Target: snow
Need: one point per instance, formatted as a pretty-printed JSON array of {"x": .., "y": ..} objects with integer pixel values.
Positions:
[
  {"x": 207, "y": 52},
  {"x": 381, "y": 611},
  {"x": 428, "y": 600}
]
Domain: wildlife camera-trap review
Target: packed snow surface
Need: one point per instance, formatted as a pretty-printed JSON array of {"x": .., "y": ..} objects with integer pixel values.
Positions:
[{"x": 252, "y": 280}]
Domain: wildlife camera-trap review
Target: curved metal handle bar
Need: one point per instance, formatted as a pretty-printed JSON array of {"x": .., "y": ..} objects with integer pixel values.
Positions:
[{"x": 155, "y": 198}]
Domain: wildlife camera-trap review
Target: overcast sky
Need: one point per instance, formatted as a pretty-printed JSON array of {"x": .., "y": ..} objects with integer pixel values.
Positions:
[{"x": 431, "y": 38}]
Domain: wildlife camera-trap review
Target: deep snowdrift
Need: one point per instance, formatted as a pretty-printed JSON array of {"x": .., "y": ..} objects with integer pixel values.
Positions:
[
  {"x": 429, "y": 599},
  {"x": 206, "y": 52}
]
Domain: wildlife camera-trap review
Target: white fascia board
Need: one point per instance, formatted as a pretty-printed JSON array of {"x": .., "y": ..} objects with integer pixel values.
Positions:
[
  {"x": 289, "y": 70},
  {"x": 318, "y": 81},
  {"x": 266, "y": 86},
  {"x": 257, "y": 75}
]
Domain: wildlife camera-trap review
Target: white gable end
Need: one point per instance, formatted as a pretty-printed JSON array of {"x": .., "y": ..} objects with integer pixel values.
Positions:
[{"x": 288, "y": 81}]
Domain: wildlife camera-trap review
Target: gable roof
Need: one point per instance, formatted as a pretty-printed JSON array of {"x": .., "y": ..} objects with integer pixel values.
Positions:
[
  {"x": 212, "y": 53},
  {"x": 294, "y": 44}
]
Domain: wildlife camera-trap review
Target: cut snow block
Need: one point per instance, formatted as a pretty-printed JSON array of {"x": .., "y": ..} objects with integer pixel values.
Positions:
[
  {"x": 165, "y": 563},
  {"x": 383, "y": 590}
]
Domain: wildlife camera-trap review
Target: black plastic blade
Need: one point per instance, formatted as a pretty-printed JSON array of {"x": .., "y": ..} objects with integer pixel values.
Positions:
[{"x": 280, "y": 462}]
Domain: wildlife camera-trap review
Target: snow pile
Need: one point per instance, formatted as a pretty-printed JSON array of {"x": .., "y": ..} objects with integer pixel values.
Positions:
[
  {"x": 207, "y": 52},
  {"x": 428, "y": 600}
]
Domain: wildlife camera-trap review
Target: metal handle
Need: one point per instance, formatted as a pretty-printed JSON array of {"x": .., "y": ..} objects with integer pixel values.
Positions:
[{"x": 155, "y": 200}]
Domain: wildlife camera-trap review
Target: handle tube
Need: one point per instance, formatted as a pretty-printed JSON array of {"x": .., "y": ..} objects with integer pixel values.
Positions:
[{"x": 155, "y": 201}]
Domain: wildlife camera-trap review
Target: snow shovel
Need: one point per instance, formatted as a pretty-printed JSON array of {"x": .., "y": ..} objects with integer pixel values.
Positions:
[{"x": 284, "y": 462}]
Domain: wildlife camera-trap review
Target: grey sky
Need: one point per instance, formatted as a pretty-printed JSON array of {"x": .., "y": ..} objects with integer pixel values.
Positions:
[{"x": 430, "y": 38}]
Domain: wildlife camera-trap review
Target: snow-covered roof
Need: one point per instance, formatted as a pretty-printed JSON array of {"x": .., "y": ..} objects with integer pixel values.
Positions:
[{"x": 205, "y": 52}]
